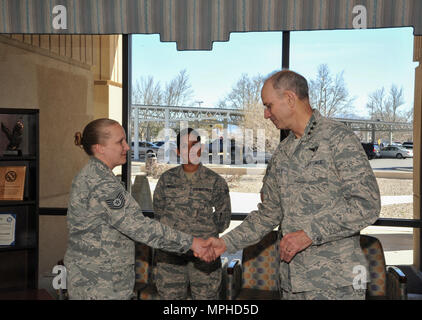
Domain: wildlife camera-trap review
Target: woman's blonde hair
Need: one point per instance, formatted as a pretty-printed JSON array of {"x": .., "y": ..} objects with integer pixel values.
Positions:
[{"x": 94, "y": 133}]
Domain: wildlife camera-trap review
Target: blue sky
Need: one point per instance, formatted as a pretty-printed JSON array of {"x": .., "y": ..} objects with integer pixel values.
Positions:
[{"x": 370, "y": 59}]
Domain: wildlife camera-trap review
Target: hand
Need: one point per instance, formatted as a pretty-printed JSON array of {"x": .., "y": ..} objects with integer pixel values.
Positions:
[
  {"x": 292, "y": 243},
  {"x": 203, "y": 250},
  {"x": 218, "y": 245}
]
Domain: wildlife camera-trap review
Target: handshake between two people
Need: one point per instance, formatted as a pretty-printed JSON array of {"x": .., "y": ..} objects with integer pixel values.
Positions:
[
  {"x": 208, "y": 249},
  {"x": 292, "y": 243}
]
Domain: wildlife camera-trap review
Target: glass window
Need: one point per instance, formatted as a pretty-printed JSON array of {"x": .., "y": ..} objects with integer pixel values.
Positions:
[
  {"x": 215, "y": 92},
  {"x": 350, "y": 79}
]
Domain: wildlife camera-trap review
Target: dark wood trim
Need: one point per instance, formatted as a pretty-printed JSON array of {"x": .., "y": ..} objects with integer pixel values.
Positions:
[
  {"x": 126, "y": 102},
  {"x": 239, "y": 216},
  {"x": 392, "y": 222},
  {"x": 52, "y": 211},
  {"x": 285, "y": 58},
  {"x": 285, "y": 64}
]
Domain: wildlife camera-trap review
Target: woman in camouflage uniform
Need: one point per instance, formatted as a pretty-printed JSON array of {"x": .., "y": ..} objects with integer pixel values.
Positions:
[{"x": 104, "y": 221}]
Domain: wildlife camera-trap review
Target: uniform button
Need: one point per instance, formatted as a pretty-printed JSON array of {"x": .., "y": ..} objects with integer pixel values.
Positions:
[{"x": 314, "y": 123}]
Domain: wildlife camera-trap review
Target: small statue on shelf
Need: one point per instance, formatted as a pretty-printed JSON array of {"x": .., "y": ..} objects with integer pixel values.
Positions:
[{"x": 14, "y": 137}]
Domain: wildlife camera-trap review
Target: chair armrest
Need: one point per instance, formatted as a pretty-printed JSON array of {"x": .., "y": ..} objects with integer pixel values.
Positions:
[
  {"x": 234, "y": 279},
  {"x": 232, "y": 265},
  {"x": 396, "y": 284},
  {"x": 223, "y": 288},
  {"x": 401, "y": 277}
]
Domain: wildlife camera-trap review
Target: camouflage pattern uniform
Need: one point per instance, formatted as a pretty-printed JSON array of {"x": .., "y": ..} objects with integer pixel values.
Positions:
[
  {"x": 187, "y": 205},
  {"x": 322, "y": 184},
  {"x": 104, "y": 221}
]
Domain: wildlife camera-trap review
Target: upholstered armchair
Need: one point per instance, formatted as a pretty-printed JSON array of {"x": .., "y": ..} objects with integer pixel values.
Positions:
[
  {"x": 144, "y": 265},
  {"x": 256, "y": 276},
  {"x": 385, "y": 282}
]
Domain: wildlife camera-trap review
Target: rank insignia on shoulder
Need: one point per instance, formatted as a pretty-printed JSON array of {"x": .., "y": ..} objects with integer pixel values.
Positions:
[{"x": 116, "y": 203}]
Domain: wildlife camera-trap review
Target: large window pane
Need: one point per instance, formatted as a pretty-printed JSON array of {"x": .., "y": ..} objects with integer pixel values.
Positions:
[
  {"x": 171, "y": 89},
  {"x": 369, "y": 75}
]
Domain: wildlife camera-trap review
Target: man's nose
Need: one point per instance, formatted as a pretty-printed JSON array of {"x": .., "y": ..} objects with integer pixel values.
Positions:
[{"x": 267, "y": 113}]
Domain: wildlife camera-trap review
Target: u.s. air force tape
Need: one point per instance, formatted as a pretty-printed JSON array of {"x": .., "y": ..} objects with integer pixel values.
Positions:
[{"x": 116, "y": 203}]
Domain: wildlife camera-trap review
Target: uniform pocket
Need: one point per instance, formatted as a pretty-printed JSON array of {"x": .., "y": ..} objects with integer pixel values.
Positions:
[
  {"x": 314, "y": 174},
  {"x": 201, "y": 198}
]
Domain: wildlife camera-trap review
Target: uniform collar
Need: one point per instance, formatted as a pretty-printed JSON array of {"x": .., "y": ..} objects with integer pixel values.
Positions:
[
  {"x": 100, "y": 165},
  {"x": 312, "y": 124},
  {"x": 307, "y": 135},
  {"x": 181, "y": 172}
]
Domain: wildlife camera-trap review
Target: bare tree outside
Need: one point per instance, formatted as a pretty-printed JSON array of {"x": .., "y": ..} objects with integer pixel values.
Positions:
[
  {"x": 409, "y": 114},
  {"x": 396, "y": 101},
  {"x": 246, "y": 92},
  {"x": 376, "y": 104},
  {"x": 329, "y": 94},
  {"x": 246, "y": 95},
  {"x": 178, "y": 92},
  {"x": 385, "y": 106},
  {"x": 147, "y": 91}
]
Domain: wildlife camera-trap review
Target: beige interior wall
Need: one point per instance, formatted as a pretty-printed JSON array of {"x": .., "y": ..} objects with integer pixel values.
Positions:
[
  {"x": 62, "y": 91},
  {"x": 115, "y": 103},
  {"x": 417, "y": 153},
  {"x": 107, "y": 70},
  {"x": 72, "y": 80}
]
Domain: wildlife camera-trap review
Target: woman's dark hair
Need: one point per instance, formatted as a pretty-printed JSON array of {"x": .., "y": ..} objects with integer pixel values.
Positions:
[
  {"x": 94, "y": 133},
  {"x": 185, "y": 132}
]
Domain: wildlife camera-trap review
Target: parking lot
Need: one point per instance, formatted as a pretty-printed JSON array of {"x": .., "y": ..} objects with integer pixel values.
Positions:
[{"x": 392, "y": 164}]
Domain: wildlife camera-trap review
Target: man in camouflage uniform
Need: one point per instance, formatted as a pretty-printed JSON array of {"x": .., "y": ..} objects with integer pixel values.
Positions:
[
  {"x": 320, "y": 190},
  {"x": 104, "y": 220},
  {"x": 194, "y": 199}
]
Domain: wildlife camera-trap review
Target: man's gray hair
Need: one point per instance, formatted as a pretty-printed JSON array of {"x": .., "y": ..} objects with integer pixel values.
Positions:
[{"x": 290, "y": 80}]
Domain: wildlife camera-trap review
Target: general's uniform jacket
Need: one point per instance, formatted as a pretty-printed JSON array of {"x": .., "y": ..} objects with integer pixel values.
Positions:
[
  {"x": 104, "y": 221},
  {"x": 200, "y": 206},
  {"x": 325, "y": 186}
]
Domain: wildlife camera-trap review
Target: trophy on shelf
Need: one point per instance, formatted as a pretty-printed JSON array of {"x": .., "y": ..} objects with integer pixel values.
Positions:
[{"x": 14, "y": 137}]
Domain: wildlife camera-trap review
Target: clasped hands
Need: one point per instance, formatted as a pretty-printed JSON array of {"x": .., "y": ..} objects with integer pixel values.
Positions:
[{"x": 210, "y": 249}]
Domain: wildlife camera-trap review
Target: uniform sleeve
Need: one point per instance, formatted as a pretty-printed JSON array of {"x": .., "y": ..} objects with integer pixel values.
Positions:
[
  {"x": 264, "y": 190},
  {"x": 359, "y": 191},
  {"x": 259, "y": 222},
  {"x": 222, "y": 204},
  {"x": 122, "y": 212},
  {"x": 159, "y": 199}
]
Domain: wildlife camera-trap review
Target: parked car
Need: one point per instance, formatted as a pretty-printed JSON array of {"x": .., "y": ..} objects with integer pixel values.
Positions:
[
  {"x": 396, "y": 152},
  {"x": 167, "y": 153},
  {"x": 396, "y": 144},
  {"x": 159, "y": 143},
  {"x": 249, "y": 155},
  {"x": 145, "y": 148},
  {"x": 408, "y": 145},
  {"x": 369, "y": 150},
  {"x": 377, "y": 150}
]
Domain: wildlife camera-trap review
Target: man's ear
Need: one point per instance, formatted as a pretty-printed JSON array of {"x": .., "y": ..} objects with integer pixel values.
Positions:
[{"x": 291, "y": 97}]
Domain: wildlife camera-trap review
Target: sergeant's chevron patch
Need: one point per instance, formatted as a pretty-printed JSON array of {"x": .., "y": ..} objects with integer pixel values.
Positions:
[{"x": 116, "y": 203}]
